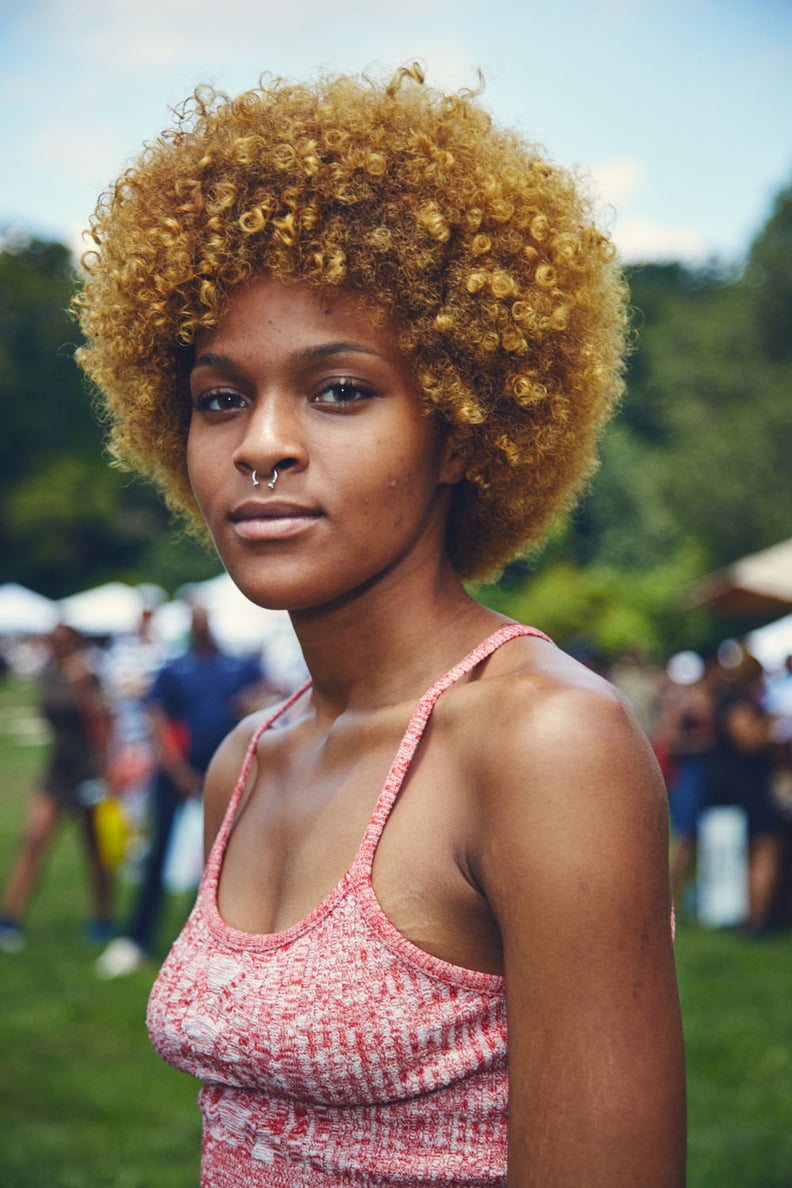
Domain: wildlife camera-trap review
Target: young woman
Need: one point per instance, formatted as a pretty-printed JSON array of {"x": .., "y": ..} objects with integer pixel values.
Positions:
[{"x": 372, "y": 339}]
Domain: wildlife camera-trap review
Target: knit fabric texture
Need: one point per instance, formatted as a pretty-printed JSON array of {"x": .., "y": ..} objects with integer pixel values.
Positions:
[{"x": 336, "y": 1052}]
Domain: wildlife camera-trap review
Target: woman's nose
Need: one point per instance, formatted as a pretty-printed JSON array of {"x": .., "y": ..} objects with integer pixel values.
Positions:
[{"x": 273, "y": 441}]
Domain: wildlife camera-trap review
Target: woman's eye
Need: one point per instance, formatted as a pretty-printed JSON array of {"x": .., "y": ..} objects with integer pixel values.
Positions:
[
  {"x": 342, "y": 393},
  {"x": 218, "y": 400}
]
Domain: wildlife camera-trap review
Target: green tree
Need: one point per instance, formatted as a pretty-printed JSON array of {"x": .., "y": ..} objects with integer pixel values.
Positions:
[
  {"x": 770, "y": 276},
  {"x": 697, "y": 461},
  {"x": 45, "y": 408},
  {"x": 67, "y": 519}
]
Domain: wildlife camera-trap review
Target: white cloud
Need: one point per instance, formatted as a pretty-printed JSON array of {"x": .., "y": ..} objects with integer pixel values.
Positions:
[
  {"x": 621, "y": 185},
  {"x": 646, "y": 239},
  {"x": 155, "y": 35},
  {"x": 620, "y": 180}
]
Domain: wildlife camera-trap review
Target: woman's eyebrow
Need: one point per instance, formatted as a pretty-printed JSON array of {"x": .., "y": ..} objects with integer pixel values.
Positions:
[
  {"x": 211, "y": 360},
  {"x": 320, "y": 351}
]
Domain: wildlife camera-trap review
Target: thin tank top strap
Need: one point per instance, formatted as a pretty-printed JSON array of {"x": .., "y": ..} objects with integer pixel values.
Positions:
[
  {"x": 417, "y": 724},
  {"x": 244, "y": 772}
]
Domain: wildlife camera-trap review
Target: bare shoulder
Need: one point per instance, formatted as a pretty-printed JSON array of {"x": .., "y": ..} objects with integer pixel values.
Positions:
[
  {"x": 572, "y": 857},
  {"x": 572, "y": 808},
  {"x": 549, "y": 729},
  {"x": 537, "y": 707}
]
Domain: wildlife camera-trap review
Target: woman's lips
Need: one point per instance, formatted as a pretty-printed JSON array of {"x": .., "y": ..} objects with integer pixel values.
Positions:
[{"x": 273, "y": 520}]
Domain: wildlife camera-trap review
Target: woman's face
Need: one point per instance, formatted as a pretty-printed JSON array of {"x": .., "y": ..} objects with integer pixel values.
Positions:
[{"x": 289, "y": 381}]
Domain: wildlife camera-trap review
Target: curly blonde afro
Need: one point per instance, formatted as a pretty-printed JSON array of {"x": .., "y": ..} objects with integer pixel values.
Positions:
[{"x": 504, "y": 292}]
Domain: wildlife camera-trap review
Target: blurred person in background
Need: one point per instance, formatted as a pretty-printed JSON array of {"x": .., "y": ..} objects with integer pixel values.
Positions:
[
  {"x": 129, "y": 666},
  {"x": 639, "y": 680},
  {"x": 194, "y": 701},
  {"x": 684, "y": 740},
  {"x": 740, "y": 774},
  {"x": 778, "y": 702},
  {"x": 72, "y": 702},
  {"x": 778, "y": 696}
]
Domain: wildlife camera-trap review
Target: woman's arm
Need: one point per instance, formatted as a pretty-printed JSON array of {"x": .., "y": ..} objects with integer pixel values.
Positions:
[{"x": 575, "y": 867}]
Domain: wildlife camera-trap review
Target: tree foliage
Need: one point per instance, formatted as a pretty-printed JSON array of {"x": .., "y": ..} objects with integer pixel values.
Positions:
[
  {"x": 67, "y": 519},
  {"x": 699, "y": 459},
  {"x": 770, "y": 277}
]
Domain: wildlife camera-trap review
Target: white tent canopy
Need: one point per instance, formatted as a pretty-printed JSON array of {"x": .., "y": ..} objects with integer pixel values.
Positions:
[
  {"x": 236, "y": 621},
  {"x": 23, "y": 612},
  {"x": 111, "y": 609},
  {"x": 772, "y": 644},
  {"x": 760, "y": 583},
  {"x": 239, "y": 625}
]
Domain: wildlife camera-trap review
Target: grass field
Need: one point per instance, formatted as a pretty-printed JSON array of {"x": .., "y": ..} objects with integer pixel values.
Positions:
[{"x": 86, "y": 1103}]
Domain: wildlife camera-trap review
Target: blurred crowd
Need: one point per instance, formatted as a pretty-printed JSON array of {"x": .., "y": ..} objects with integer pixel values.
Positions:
[
  {"x": 133, "y": 722},
  {"x": 721, "y": 727}
]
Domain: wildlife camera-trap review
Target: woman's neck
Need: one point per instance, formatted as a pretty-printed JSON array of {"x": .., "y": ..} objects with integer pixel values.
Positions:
[{"x": 387, "y": 643}]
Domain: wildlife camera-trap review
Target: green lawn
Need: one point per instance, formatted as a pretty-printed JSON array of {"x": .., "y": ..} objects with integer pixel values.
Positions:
[{"x": 85, "y": 1102}]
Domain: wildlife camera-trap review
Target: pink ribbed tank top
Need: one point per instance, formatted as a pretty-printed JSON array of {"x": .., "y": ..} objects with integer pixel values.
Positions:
[{"x": 337, "y": 1053}]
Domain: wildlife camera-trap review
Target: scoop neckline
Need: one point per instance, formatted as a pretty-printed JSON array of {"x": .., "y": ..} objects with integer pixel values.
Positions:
[{"x": 358, "y": 873}]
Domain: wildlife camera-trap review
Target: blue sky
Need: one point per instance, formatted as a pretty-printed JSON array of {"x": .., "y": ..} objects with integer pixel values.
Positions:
[{"x": 681, "y": 111}]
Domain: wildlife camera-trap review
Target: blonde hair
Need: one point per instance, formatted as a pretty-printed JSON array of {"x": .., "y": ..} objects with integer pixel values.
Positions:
[{"x": 505, "y": 293}]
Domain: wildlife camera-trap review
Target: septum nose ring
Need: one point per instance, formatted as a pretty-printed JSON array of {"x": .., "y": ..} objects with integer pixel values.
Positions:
[{"x": 271, "y": 484}]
